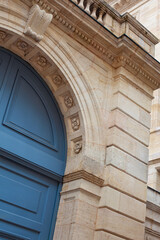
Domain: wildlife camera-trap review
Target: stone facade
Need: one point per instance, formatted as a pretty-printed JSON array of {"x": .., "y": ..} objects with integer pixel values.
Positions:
[
  {"x": 147, "y": 12},
  {"x": 100, "y": 68}
]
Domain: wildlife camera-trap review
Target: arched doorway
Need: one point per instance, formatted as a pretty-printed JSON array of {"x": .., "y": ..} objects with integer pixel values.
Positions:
[{"x": 32, "y": 152}]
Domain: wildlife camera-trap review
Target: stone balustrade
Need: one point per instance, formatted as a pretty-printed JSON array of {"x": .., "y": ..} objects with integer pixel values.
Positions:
[
  {"x": 94, "y": 8},
  {"x": 119, "y": 25}
]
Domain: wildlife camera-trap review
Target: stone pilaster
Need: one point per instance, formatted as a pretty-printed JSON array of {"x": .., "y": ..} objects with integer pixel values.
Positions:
[
  {"x": 122, "y": 207},
  {"x": 78, "y": 206}
]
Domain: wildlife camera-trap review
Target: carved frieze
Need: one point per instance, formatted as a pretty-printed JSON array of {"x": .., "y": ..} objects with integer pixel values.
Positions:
[{"x": 38, "y": 21}]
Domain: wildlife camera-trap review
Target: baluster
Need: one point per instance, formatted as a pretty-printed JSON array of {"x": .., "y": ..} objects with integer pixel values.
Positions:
[
  {"x": 100, "y": 17},
  {"x": 93, "y": 14},
  {"x": 87, "y": 9},
  {"x": 81, "y": 4},
  {"x": 105, "y": 19}
]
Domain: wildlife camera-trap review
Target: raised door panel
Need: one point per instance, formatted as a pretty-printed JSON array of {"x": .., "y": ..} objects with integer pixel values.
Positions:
[
  {"x": 5, "y": 59},
  {"x": 31, "y": 125},
  {"x": 27, "y": 201}
]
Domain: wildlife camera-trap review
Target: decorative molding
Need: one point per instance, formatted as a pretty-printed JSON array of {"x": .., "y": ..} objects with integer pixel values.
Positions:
[
  {"x": 38, "y": 21},
  {"x": 100, "y": 11},
  {"x": 3, "y": 35},
  {"x": 99, "y": 48},
  {"x": 57, "y": 79},
  {"x": 153, "y": 207},
  {"x": 68, "y": 100},
  {"x": 41, "y": 61},
  {"x": 82, "y": 174},
  {"x": 22, "y": 45},
  {"x": 75, "y": 123},
  {"x": 77, "y": 146},
  {"x": 104, "y": 52},
  {"x": 123, "y": 60},
  {"x": 152, "y": 232},
  {"x": 124, "y": 5}
]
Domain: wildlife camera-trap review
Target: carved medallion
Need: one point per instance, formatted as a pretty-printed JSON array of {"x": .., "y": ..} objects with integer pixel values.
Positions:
[
  {"x": 57, "y": 79},
  {"x": 75, "y": 122},
  {"x": 77, "y": 147},
  {"x": 41, "y": 61},
  {"x": 68, "y": 100},
  {"x": 22, "y": 45},
  {"x": 3, "y": 35}
]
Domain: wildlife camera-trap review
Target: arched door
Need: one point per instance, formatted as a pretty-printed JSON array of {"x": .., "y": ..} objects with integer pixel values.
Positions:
[{"x": 32, "y": 152}]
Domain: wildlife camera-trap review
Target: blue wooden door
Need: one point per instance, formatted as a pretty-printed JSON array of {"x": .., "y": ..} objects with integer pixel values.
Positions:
[{"x": 32, "y": 152}]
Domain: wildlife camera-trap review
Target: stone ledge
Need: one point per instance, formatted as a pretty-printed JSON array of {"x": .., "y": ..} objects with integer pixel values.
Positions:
[
  {"x": 152, "y": 232},
  {"x": 82, "y": 174},
  {"x": 153, "y": 207}
]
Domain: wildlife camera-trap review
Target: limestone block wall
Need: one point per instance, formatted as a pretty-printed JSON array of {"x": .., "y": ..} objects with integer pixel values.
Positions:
[
  {"x": 152, "y": 225},
  {"x": 148, "y": 12},
  {"x": 125, "y": 175}
]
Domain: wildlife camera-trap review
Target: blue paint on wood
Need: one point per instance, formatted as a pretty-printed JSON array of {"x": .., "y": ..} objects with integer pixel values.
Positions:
[{"x": 32, "y": 152}]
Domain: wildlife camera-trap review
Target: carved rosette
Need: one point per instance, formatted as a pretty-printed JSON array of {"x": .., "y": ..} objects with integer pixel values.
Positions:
[
  {"x": 23, "y": 46},
  {"x": 68, "y": 101},
  {"x": 57, "y": 79},
  {"x": 3, "y": 35},
  {"x": 75, "y": 123},
  {"x": 41, "y": 61}
]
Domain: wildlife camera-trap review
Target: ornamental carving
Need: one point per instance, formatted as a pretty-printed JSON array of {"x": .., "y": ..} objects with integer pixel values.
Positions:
[
  {"x": 57, "y": 79},
  {"x": 23, "y": 46},
  {"x": 68, "y": 100},
  {"x": 3, "y": 35},
  {"x": 77, "y": 146},
  {"x": 75, "y": 122},
  {"x": 38, "y": 21},
  {"x": 41, "y": 61}
]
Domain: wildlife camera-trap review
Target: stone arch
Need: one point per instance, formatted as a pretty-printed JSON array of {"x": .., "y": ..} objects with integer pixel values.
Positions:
[{"x": 59, "y": 69}]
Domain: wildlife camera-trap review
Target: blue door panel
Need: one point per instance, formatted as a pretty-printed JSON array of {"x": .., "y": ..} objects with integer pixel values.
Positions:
[
  {"x": 52, "y": 164},
  {"x": 7, "y": 235},
  {"x": 16, "y": 232},
  {"x": 27, "y": 198},
  {"x": 31, "y": 121},
  {"x": 28, "y": 118},
  {"x": 32, "y": 152},
  {"x": 4, "y": 62}
]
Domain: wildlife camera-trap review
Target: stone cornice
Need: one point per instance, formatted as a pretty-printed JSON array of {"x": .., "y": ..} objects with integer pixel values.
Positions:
[
  {"x": 117, "y": 51},
  {"x": 125, "y": 18},
  {"x": 82, "y": 174},
  {"x": 123, "y": 5},
  {"x": 105, "y": 9},
  {"x": 104, "y": 43}
]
